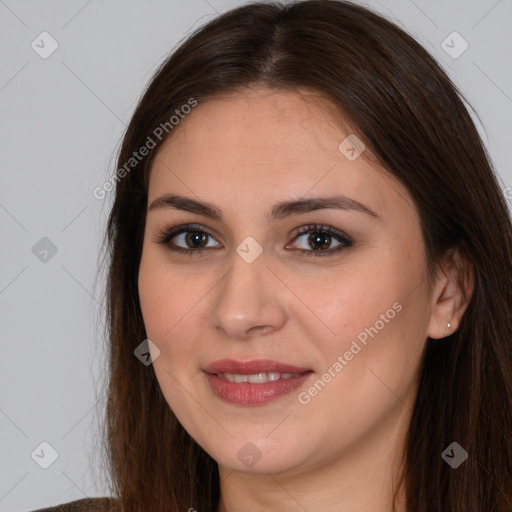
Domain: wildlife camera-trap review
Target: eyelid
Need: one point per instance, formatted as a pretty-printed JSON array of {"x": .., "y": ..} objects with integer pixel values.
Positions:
[
  {"x": 345, "y": 240},
  {"x": 167, "y": 234},
  {"x": 322, "y": 229}
]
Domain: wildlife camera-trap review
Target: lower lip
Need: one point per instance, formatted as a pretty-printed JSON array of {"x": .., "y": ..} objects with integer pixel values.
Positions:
[{"x": 246, "y": 393}]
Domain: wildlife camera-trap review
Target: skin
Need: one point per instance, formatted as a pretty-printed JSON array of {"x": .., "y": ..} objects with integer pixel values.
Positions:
[{"x": 244, "y": 153}]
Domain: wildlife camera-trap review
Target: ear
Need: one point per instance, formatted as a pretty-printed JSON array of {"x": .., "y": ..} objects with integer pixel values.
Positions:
[{"x": 451, "y": 294}]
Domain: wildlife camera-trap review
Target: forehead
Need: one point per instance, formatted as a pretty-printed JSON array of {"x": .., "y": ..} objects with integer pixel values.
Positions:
[
  {"x": 265, "y": 145},
  {"x": 258, "y": 124}
]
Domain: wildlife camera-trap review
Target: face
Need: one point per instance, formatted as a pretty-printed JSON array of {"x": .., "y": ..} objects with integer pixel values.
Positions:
[{"x": 336, "y": 291}]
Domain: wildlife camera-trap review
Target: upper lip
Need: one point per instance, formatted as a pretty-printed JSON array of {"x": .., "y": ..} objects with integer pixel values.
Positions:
[{"x": 252, "y": 367}]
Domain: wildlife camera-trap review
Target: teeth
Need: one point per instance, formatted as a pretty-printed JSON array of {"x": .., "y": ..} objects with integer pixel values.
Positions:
[{"x": 257, "y": 378}]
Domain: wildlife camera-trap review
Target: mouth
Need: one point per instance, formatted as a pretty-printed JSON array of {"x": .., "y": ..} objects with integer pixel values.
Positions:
[
  {"x": 254, "y": 382},
  {"x": 256, "y": 378}
]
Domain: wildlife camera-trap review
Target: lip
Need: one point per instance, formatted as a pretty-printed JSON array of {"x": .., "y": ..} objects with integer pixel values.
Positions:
[
  {"x": 249, "y": 394},
  {"x": 250, "y": 367}
]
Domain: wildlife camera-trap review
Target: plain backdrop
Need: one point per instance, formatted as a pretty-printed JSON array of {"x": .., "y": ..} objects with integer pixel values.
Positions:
[{"x": 62, "y": 117}]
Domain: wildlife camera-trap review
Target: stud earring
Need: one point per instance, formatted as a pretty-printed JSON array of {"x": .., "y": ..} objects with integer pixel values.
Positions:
[{"x": 448, "y": 328}]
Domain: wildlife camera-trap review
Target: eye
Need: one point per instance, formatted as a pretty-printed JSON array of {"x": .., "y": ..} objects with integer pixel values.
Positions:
[
  {"x": 320, "y": 237},
  {"x": 194, "y": 239}
]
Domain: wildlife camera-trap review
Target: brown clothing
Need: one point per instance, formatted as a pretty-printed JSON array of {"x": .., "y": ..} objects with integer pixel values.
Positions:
[{"x": 85, "y": 505}]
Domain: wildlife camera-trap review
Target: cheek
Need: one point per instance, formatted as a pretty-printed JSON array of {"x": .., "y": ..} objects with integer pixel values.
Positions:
[
  {"x": 353, "y": 297},
  {"x": 152, "y": 302},
  {"x": 374, "y": 314},
  {"x": 173, "y": 304},
  {"x": 166, "y": 312},
  {"x": 370, "y": 367},
  {"x": 161, "y": 306}
]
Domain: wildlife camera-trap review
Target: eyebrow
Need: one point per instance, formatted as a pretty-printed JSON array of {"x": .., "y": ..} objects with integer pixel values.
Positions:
[{"x": 279, "y": 210}]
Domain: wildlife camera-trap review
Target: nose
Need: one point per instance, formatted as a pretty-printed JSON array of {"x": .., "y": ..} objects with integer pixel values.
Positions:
[{"x": 250, "y": 300}]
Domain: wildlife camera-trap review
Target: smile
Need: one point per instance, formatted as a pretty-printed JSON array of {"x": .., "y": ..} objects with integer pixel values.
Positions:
[{"x": 256, "y": 378}]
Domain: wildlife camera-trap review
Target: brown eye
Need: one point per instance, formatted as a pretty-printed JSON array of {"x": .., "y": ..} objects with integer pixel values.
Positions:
[
  {"x": 320, "y": 239},
  {"x": 196, "y": 237},
  {"x": 192, "y": 239},
  {"x": 187, "y": 239}
]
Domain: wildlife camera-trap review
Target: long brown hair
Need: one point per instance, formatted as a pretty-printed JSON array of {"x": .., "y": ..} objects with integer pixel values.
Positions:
[{"x": 414, "y": 122}]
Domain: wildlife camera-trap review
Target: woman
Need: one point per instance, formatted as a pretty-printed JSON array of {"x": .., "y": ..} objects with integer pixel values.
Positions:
[{"x": 309, "y": 244}]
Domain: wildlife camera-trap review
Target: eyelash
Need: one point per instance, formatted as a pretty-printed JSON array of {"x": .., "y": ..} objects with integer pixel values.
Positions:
[{"x": 167, "y": 235}]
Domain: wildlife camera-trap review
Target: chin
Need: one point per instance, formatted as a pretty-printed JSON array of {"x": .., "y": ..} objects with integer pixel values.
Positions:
[{"x": 259, "y": 457}]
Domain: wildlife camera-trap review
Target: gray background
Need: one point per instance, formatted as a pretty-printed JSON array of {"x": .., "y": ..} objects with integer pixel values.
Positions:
[{"x": 62, "y": 119}]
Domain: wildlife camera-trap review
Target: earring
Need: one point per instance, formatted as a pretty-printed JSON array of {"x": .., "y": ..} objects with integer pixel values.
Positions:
[{"x": 448, "y": 328}]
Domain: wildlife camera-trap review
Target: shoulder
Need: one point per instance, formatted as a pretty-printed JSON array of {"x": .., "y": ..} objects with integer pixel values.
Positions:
[{"x": 85, "y": 505}]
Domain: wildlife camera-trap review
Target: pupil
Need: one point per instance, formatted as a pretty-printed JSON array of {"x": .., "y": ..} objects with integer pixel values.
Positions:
[{"x": 316, "y": 239}]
